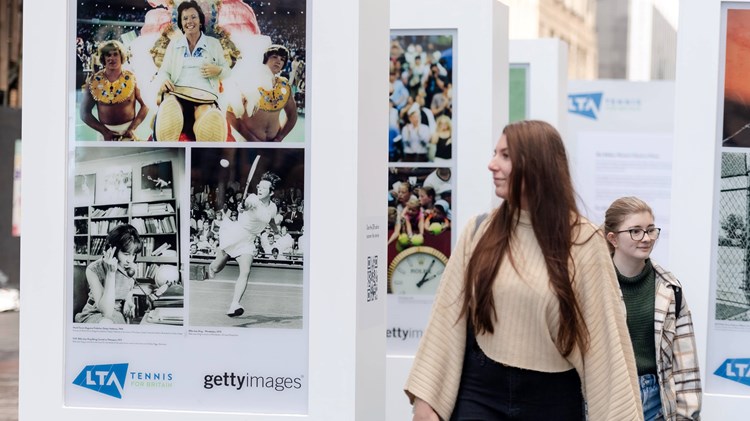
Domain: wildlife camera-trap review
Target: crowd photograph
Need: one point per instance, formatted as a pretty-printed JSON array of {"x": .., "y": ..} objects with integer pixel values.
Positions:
[{"x": 420, "y": 103}]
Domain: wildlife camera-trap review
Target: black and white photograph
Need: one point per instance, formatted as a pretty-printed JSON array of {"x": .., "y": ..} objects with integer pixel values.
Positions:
[
  {"x": 84, "y": 188},
  {"x": 187, "y": 70},
  {"x": 247, "y": 231},
  {"x": 421, "y": 98},
  {"x": 733, "y": 256},
  {"x": 156, "y": 180},
  {"x": 126, "y": 256}
]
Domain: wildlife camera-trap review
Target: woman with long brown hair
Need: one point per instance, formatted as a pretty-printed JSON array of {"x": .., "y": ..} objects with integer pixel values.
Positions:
[{"x": 528, "y": 322}]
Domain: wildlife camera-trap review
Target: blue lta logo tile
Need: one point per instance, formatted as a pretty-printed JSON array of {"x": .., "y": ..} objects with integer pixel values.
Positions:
[
  {"x": 586, "y": 105},
  {"x": 108, "y": 379},
  {"x": 736, "y": 369}
]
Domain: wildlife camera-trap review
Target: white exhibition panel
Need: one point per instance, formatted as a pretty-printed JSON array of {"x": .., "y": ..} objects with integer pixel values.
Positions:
[
  {"x": 480, "y": 113},
  {"x": 547, "y": 94},
  {"x": 696, "y": 192},
  {"x": 619, "y": 141},
  {"x": 346, "y": 348}
]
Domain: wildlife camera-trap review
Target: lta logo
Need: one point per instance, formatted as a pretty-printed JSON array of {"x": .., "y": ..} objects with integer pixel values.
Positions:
[
  {"x": 107, "y": 379},
  {"x": 586, "y": 105},
  {"x": 737, "y": 370}
]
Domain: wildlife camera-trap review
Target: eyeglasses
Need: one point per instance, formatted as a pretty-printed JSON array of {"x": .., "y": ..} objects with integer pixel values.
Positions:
[{"x": 637, "y": 234}]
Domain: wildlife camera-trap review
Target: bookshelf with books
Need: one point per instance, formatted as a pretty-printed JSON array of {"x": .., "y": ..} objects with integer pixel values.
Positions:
[
  {"x": 81, "y": 234},
  {"x": 156, "y": 222}
]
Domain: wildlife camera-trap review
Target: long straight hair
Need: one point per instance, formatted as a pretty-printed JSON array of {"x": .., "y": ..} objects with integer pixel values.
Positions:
[{"x": 541, "y": 178}]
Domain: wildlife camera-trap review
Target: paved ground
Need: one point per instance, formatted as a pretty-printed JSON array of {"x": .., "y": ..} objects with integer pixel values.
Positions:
[{"x": 9, "y": 366}]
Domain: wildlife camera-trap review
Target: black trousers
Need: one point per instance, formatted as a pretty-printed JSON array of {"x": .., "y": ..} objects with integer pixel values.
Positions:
[{"x": 491, "y": 391}]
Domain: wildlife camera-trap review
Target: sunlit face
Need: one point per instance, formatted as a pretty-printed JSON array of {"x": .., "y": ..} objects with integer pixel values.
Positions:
[
  {"x": 628, "y": 248},
  {"x": 264, "y": 189},
  {"x": 500, "y": 166},
  {"x": 275, "y": 63},
  {"x": 414, "y": 118},
  {"x": 191, "y": 23}
]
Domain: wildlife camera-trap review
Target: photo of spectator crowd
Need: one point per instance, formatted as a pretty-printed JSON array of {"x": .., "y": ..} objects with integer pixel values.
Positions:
[
  {"x": 144, "y": 71},
  {"x": 421, "y": 99},
  {"x": 215, "y": 201},
  {"x": 419, "y": 209}
]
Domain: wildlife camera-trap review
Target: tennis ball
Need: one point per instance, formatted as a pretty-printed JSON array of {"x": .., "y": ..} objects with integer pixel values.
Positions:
[
  {"x": 417, "y": 239},
  {"x": 403, "y": 239},
  {"x": 435, "y": 228}
]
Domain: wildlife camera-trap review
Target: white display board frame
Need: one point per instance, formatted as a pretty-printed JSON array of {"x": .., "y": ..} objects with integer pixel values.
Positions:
[
  {"x": 481, "y": 41},
  {"x": 347, "y": 347},
  {"x": 547, "y": 78},
  {"x": 698, "y": 128}
]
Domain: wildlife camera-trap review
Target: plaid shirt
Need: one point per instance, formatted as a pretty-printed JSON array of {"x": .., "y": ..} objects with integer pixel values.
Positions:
[{"x": 676, "y": 359}]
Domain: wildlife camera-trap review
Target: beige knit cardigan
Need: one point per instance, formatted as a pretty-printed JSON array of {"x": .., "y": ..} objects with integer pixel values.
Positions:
[{"x": 527, "y": 324}]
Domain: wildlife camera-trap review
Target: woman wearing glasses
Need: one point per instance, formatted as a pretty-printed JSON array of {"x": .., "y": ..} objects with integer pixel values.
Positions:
[{"x": 658, "y": 317}]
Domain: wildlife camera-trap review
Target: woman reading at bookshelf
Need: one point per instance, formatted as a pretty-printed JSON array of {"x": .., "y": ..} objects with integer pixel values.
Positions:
[
  {"x": 237, "y": 239},
  {"x": 110, "y": 279}
]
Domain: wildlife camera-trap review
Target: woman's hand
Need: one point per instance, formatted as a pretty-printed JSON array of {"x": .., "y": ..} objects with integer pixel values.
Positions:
[
  {"x": 128, "y": 308},
  {"x": 209, "y": 70},
  {"x": 423, "y": 411},
  {"x": 167, "y": 86},
  {"x": 110, "y": 260}
]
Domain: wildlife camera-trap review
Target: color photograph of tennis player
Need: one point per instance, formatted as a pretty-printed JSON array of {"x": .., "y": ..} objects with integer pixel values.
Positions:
[
  {"x": 247, "y": 237},
  {"x": 190, "y": 70}
]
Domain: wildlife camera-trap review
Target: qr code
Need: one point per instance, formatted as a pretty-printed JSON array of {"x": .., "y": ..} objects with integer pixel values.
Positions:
[{"x": 372, "y": 278}]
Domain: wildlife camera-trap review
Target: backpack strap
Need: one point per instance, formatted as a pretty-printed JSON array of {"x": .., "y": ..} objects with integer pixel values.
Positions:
[{"x": 479, "y": 221}]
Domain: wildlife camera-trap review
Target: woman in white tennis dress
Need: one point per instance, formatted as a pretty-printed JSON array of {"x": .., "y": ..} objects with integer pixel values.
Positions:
[{"x": 237, "y": 238}]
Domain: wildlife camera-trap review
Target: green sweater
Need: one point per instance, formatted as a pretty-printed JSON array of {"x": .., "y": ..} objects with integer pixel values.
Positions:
[{"x": 639, "y": 293}]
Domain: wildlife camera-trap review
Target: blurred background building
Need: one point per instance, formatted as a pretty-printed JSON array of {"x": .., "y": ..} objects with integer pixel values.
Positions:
[
  {"x": 607, "y": 39},
  {"x": 11, "y": 13}
]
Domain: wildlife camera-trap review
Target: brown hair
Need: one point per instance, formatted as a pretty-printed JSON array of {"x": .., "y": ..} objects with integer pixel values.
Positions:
[
  {"x": 619, "y": 210},
  {"x": 111, "y": 45},
  {"x": 540, "y": 174}
]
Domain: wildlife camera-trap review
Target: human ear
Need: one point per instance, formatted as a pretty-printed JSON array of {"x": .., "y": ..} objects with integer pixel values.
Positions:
[{"x": 612, "y": 239}]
